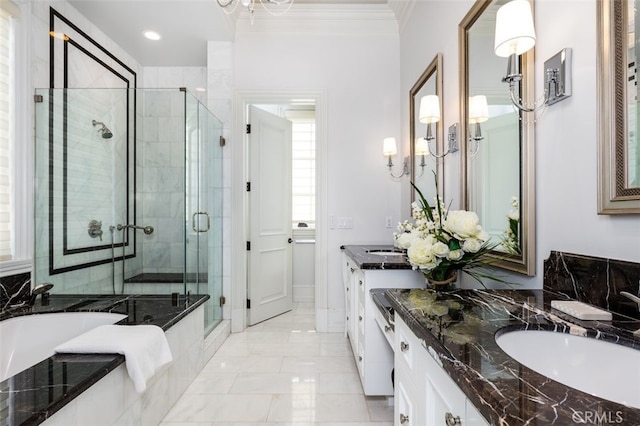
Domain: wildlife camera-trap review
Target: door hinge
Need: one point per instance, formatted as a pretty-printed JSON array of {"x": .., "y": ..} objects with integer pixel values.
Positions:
[
  {"x": 248, "y": 186},
  {"x": 223, "y": 141},
  {"x": 223, "y": 300},
  {"x": 38, "y": 99},
  {"x": 248, "y": 303},
  {"x": 248, "y": 245},
  {"x": 248, "y": 128}
]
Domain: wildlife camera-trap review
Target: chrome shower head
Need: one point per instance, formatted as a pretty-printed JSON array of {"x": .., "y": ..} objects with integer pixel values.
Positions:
[{"x": 104, "y": 130}]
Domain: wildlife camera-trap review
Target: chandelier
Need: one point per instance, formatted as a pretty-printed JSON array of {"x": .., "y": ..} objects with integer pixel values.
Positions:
[{"x": 274, "y": 7}]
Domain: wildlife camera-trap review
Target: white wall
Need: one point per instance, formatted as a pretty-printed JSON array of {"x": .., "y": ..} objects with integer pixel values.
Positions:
[
  {"x": 173, "y": 77},
  {"x": 566, "y": 136},
  {"x": 356, "y": 64}
]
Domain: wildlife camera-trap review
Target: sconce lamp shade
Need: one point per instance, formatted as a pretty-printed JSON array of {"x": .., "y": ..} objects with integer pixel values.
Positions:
[
  {"x": 515, "y": 33},
  {"x": 389, "y": 147},
  {"x": 422, "y": 146},
  {"x": 478, "y": 109},
  {"x": 429, "y": 109}
]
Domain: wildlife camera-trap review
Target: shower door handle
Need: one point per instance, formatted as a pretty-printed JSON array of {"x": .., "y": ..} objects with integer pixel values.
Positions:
[{"x": 193, "y": 222}]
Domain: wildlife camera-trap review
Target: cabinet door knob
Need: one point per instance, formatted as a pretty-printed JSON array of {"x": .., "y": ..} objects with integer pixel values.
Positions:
[
  {"x": 359, "y": 358},
  {"x": 387, "y": 328},
  {"x": 360, "y": 317},
  {"x": 450, "y": 420},
  {"x": 360, "y": 281},
  {"x": 404, "y": 419},
  {"x": 404, "y": 346},
  {"x": 352, "y": 270}
]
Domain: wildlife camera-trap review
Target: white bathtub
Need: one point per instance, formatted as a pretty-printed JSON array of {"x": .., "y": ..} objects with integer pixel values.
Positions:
[{"x": 29, "y": 339}]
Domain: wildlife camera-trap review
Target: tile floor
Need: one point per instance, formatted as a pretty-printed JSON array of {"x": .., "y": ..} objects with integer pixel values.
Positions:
[{"x": 280, "y": 372}]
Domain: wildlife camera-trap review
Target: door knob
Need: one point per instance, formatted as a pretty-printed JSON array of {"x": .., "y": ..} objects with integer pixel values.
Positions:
[{"x": 289, "y": 240}]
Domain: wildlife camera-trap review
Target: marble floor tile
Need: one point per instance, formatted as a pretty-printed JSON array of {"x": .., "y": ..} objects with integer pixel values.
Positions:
[
  {"x": 220, "y": 408},
  {"x": 280, "y": 373},
  {"x": 274, "y": 383},
  {"x": 212, "y": 383},
  {"x": 315, "y": 407},
  {"x": 243, "y": 364},
  {"x": 318, "y": 364},
  {"x": 339, "y": 383}
]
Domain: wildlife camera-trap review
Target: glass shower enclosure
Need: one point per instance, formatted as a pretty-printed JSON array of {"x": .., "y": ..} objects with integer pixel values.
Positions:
[{"x": 128, "y": 194}]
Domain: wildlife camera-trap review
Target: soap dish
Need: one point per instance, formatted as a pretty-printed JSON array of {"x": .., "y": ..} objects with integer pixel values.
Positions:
[{"x": 581, "y": 310}]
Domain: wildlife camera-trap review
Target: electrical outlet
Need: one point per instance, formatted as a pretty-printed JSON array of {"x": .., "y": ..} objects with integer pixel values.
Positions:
[{"x": 388, "y": 222}]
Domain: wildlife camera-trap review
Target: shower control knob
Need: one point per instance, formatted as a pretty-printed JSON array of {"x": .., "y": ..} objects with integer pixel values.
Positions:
[{"x": 95, "y": 229}]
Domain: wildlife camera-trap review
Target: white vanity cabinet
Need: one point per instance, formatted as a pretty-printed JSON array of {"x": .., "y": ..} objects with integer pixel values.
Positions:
[
  {"x": 371, "y": 350},
  {"x": 424, "y": 393}
]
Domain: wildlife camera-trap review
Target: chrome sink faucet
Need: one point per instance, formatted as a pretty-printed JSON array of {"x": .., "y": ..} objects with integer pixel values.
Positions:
[
  {"x": 632, "y": 297},
  {"x": 635, "y": 299}
]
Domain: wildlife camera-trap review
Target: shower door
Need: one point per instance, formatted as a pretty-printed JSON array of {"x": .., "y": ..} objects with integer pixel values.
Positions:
[{"x": 203, "y": 213}]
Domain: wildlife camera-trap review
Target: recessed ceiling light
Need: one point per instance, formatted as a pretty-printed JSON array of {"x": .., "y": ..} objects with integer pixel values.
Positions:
[{"x": 152, "y": 35}]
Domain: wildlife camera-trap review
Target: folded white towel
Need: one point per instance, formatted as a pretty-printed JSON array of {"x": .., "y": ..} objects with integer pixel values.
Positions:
[{"x": 145, "y": 348}]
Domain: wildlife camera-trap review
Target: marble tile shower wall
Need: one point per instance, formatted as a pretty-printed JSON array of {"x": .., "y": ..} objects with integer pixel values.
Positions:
[
  {"x": 161, "y": 185},
  {"x": 37, "y": 14},
  {"x": 594, "y": 280},
  {"x": 96, "y": 180}
]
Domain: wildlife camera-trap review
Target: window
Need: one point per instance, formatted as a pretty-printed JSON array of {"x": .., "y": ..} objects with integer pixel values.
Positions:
[
  {"x": 8, "y": 13},
  {"x": 303, "y": 172}
]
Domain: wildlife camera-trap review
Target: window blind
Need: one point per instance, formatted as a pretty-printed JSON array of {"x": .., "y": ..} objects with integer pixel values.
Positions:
[
  {"x": 8, "y": 12},
  {"x": 303, "y": 170}
]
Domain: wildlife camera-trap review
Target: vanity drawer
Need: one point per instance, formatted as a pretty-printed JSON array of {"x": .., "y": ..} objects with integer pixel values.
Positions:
[
  {"x": 387, "y": 331},
  {"x": 408, "y": 348}
]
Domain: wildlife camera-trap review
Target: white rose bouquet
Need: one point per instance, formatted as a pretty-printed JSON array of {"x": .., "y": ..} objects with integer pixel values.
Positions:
[
  {"x": 510, "y": 238},
  {"x": 441, "y": 242}
]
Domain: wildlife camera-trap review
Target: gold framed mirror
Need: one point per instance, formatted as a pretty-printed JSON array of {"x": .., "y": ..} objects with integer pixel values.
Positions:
[
  {"x": 423, "y": 164},
  {"x": 618, "y": 124},
  {"x": 497, "y": 145}
]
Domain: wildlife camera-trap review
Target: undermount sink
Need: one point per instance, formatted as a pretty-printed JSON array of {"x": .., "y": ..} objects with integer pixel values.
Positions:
[
  {"x": 603, "y": 369},
  {"x": 385, "y": 252}
]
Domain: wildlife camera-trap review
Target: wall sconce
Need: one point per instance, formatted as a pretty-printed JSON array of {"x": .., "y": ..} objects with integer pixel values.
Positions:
[
  {"x": 430, "y": 114},
  {"x": 515, "y": 34},
  {"x": 478, "y": 113},
  {"x": 422, "y": 149},
  {"x": 389, "y": 149}
]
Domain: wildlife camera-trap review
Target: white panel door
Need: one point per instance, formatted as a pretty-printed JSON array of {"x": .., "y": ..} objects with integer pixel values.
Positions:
[{"x": 270, "y": 257}]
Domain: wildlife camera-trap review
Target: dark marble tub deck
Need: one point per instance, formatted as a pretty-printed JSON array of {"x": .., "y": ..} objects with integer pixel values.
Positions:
[{"x": 30, "y": 397}]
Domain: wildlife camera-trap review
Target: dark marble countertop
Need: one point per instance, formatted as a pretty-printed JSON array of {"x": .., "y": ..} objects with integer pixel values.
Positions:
[
  {"x": 33, "y": 395},
  {"x": 364, "y": 256},
  {"x": 505, "y": 391}
]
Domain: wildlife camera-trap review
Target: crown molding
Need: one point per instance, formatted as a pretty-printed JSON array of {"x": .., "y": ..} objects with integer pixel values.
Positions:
[
  {"x": 402, "y": 10},
  {"x": 303, "y": 18}
]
